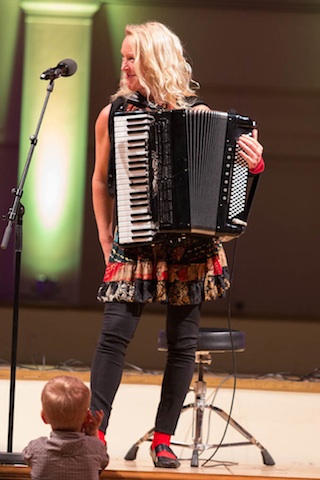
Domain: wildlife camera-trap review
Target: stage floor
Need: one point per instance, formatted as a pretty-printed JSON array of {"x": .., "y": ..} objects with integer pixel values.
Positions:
[{"x": 143, "y": 470}]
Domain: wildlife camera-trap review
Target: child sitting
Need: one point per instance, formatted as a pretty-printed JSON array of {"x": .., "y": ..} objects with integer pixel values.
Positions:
[{"x": 73, "y": 449}]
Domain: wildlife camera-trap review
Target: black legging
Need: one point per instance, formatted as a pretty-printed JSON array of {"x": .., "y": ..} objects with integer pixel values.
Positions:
[{"x": 119, "y": 325}]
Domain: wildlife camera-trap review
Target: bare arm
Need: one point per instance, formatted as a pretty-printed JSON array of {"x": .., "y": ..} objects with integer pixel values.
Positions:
[{"x": 103, "y": 204}]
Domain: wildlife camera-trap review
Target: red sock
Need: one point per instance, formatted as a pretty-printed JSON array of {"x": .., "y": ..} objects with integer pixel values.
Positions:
[
  {"x": 159, "y": 438},
  {"x": 101, "y": 437}
]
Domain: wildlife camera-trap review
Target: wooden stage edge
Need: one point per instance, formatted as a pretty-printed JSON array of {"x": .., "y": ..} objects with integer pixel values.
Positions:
[{"x": 183, "y": 473}]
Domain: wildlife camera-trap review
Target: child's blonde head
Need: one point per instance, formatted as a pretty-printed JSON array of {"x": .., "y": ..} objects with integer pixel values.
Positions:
[{"x": 65, "y": 401}]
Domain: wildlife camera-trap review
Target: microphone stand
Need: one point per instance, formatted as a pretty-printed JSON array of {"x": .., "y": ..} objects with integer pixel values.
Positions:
[{"x": 15, "y": 215}]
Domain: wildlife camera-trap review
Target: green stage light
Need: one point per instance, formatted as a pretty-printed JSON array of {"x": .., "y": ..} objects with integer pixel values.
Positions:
[
  {"x": 54, "y": 190},
  {"x": 9, "y": 26}
]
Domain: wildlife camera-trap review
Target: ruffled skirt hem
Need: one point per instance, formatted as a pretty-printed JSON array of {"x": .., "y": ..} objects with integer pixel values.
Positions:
[
  {"x": 162, "y": 291},
  {"x": 178, "y": 272}
]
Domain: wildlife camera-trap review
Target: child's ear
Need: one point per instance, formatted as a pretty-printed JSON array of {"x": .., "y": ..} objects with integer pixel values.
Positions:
[{"x": 43, "y": 417}]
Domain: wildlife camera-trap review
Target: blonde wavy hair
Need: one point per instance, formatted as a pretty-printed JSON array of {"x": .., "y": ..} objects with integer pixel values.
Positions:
[
  {"x": 160, "y": 66},
  {"x": 65, "y": 400}
]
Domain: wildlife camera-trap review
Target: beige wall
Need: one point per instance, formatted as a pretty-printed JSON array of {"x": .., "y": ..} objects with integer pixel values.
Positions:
[{"x": 55, "y": 336}]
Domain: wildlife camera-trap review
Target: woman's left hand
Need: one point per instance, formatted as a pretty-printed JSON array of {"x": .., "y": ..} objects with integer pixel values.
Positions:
[{"x": 251, "y": 149}]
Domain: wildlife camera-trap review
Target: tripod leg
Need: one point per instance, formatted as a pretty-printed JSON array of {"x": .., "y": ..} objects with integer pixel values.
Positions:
[
  {"x": 195, "y": 458},
  {"x": 132, "y": 452},
  {"x": 267, "y": 459},
  {"x": 197, "y": 436}
]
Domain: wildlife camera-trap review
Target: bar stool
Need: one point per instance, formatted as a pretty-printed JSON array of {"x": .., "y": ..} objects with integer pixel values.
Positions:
[{"x": 211, "y": 340}]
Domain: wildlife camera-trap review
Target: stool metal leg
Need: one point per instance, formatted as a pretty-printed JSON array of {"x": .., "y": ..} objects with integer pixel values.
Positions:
[
  {"x": 132, "y": 453},
  {"x": 199, "y": 406},
  {"x": 267, "y": 459}
]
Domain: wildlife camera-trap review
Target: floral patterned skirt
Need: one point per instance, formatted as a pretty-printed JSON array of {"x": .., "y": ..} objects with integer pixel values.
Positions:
[{"x": 177, "y": 271}]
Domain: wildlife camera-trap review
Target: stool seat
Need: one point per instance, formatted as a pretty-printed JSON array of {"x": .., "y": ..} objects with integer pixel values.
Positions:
[{"x": 217, "y": 340}]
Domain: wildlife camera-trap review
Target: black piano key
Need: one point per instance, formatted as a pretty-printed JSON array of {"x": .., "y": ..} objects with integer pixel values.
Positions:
[
  {"x": 136, "y": 221},
  {"x": 135, "y": 205},
  {"x": 138, "y": 184},
  {"x": 140, "y": 199},
  {"x": 138, "y": 140},
  {"x": 137, "y": 177},
  {"x": 135, "y": 168},
  {"x": 137, "y": 155},
  {"x": 131, "y": 132},
  {"x": 136, "y": 146},
  {"x": 135, "y": 193}
]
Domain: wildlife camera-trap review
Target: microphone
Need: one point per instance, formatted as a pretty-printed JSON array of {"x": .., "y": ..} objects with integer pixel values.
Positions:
[{"x": 65, "y": 68}]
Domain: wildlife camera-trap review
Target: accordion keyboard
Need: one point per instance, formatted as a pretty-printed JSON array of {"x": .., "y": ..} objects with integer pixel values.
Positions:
[{"x": 132, "y": 178}]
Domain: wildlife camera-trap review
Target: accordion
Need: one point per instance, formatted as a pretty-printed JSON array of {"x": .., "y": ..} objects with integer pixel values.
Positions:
[{"x": 180, "y": 172}]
